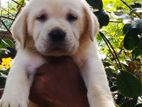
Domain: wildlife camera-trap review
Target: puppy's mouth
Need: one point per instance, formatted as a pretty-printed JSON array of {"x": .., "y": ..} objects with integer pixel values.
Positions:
[
  {"x": 57, "y": 51},
  {"x": 59, "y": 47}
]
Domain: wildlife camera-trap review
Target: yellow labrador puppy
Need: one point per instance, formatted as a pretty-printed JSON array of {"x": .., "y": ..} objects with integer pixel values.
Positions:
[{"x": 56, "y": 28}]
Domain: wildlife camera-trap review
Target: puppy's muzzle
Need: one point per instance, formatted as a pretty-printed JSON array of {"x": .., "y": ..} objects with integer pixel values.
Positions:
[
  {"x": 57, "y": 35},
  {"x": 57, "y": 39}
]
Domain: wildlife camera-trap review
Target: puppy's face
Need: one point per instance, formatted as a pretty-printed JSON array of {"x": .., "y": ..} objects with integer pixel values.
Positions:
[
  {"x": 57, "y": 26},
  {"x": 54, "y": 27}
]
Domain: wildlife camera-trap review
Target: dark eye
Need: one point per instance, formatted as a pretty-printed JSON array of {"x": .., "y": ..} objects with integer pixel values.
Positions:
[
  {"x": 71, "y": 17},
  {"x": 42, "y": 17}
]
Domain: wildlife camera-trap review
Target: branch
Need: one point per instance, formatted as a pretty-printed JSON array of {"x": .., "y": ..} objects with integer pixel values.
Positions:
[
  {"x": 6, "y": 17},
  {"x": 113, "y": 52},
  {"x": 130, "y": 8},
  {"x": 6, "y": 10},
  {"x": 16, "y": 15},
  {"x": 5, "y": 26},
  {"x": 113, "y": 21},
  {"x": 4, "y": 34},
  {"x": 17, "y": 3},
  {"x": 126, "y": 4}
]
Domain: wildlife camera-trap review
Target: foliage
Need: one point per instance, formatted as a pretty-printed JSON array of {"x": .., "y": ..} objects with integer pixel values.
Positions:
[
  {"x": 7, "y": 53},
  {"x": 121, "y": 41},
  {"x": 8, "y": 12},
  {"x": 120, "y": 45}
]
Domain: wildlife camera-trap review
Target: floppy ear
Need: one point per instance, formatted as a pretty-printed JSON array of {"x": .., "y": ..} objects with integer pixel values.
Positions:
[
  {"x": 91, "y": 20},
  {"x": 19, "y": 28}
]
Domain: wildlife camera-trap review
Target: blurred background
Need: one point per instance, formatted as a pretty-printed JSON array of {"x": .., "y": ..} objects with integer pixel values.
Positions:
[{"x": 119, "y": 44}]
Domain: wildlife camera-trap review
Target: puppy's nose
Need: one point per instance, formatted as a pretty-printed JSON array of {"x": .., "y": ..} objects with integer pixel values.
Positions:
[{"x": 57, "y": 35}]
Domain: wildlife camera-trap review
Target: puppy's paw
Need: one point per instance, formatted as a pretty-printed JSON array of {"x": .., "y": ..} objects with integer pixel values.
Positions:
[{"x": 13, "y": 102}]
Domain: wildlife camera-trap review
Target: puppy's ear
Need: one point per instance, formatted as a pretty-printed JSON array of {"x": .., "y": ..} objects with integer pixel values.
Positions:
[
  {"x": 19, "y": 28},
  {"x": 91, "y": 20}
]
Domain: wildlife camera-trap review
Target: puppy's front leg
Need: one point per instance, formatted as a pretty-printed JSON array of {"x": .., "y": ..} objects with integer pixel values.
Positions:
[
  {"x": 19, "y": 80},
  {"x": 95, "y": 78},
  {"x": 99, "y": 94}
]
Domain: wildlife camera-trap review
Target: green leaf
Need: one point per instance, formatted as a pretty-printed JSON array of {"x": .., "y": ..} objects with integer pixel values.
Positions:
[
  {"x": 130, "y": 103},
  {"x": 103, "y": 18},
  {"x": 127, "y": 28},
  {"x": 2, "y": 82},
  {"x": 129, "y": 85},
  {"x": 110, "y": 72},
  {"x": 139, "y": 105},
  {"x": 98, "y": 4},
  {"x": 8, "y": 42},
  {"x": 137, "y": 52},
  {"x": 138, "y": 25},
  {"x": 136, "y": 5},
  {"x": 22, "y": 2},
  {"x": 131, "y": 39},
  {"x": 4, "y": 43},
  {"x": 140, "y": 43}
]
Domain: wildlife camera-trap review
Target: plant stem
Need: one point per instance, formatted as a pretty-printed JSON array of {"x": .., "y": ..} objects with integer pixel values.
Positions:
[
  {"x": 112, "y": 51},
  {"x": 130, "y": 8},
  {"x": 5, "y": 26}
]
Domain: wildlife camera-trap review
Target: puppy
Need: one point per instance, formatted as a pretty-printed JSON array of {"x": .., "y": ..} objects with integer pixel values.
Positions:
[{"x": 56, "y": 28}]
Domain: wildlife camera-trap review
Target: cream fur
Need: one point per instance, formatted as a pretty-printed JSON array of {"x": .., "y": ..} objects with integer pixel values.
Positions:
[{"x": 32, "y": 40}]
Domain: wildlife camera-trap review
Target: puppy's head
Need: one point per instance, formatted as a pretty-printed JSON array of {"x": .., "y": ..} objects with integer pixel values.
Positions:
[{"x": 55, "y": 27}]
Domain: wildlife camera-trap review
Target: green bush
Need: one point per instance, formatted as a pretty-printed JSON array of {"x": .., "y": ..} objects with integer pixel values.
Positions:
[{"x": 120, "y": 45}]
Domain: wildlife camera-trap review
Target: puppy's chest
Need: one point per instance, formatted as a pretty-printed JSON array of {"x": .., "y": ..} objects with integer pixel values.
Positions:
[
  {"x": 34, "y": 63},
  {"x": 51, "y": 62}
]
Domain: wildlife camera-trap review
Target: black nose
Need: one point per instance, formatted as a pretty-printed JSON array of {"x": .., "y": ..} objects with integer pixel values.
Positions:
[{"x": 57, "y": 35}]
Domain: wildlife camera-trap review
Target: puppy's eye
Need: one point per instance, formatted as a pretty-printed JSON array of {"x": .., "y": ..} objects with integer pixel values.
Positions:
[
  {"x": 42, "y": 17},
  {"x": 71, "y": 17}
]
